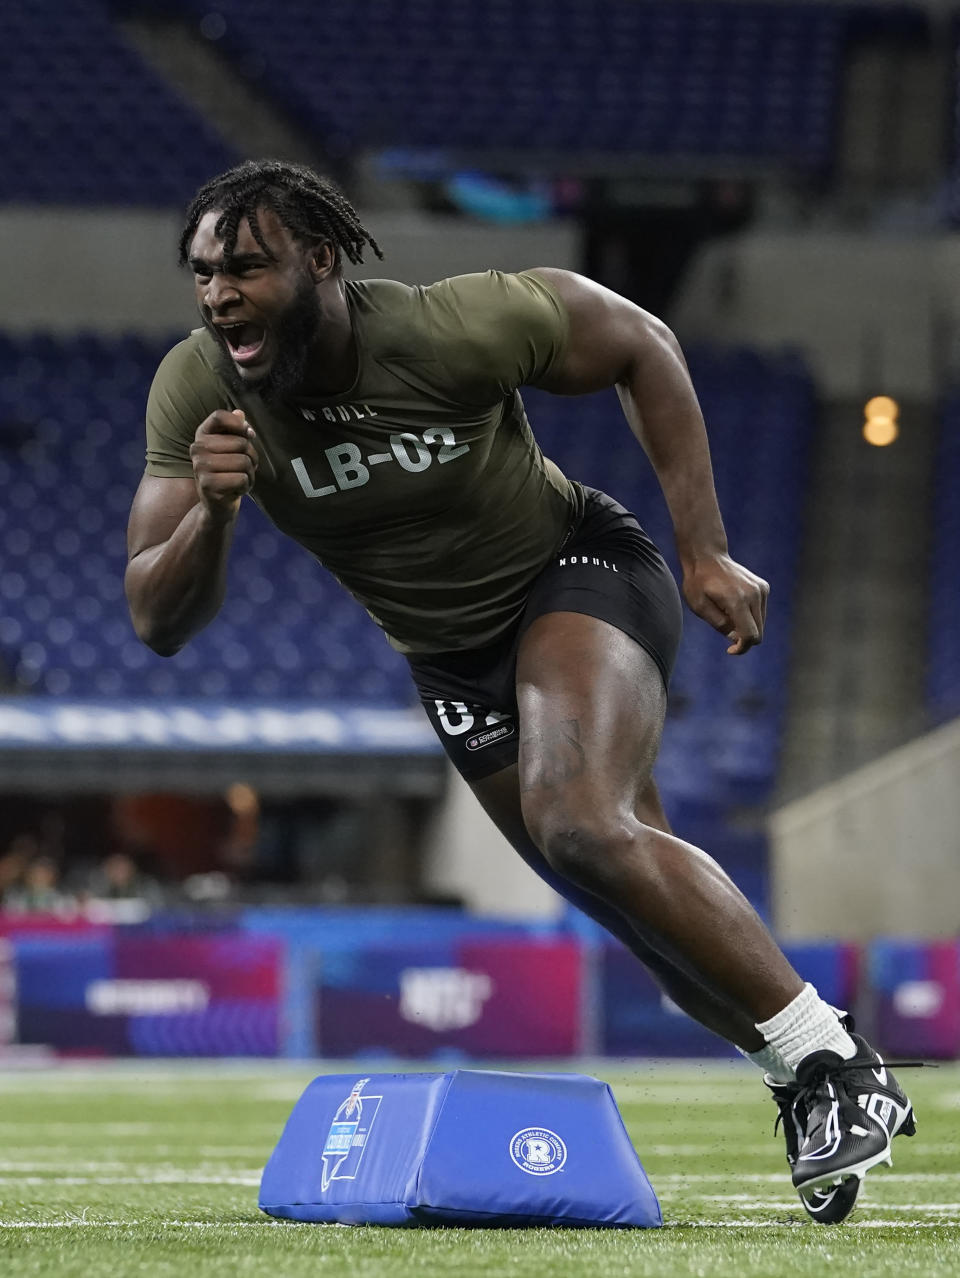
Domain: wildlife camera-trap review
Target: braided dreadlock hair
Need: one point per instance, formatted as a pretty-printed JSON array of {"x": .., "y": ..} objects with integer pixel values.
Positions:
[{"x": 308, "y": 205}]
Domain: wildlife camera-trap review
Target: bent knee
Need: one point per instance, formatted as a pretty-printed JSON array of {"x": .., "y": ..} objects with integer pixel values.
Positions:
[{"x": 585, "y": 850}]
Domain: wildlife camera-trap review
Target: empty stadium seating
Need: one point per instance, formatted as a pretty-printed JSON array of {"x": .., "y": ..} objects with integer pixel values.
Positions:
[
  {"x": 85, "y": 121},
  {"x": 758, "y": 81}
]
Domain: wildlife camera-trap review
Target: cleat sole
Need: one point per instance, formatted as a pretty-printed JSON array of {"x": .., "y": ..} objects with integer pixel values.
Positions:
[{"x": 832, "y": 1206}]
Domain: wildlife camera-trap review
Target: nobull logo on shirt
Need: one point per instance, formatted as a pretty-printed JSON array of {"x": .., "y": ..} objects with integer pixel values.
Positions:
[{"x": 339, "y": 413}]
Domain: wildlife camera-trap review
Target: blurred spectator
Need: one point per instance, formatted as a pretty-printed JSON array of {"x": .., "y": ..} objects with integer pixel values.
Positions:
[
  {"x": 119, "y": 878},
  {"x": 13, "y": 863},
  {"x": 39, "y": 891},
  {"x": 238, "y": 851}
]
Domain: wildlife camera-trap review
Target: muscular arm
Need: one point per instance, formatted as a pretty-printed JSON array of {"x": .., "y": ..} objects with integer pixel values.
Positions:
[
  {"x": 612, "y": 342},
  {"x": 179, "y": 535},
  {"x": 176, "y": 574}
]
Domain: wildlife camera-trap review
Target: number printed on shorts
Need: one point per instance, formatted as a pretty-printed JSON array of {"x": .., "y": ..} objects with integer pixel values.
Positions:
[
  {"x": 456, "y": 717},
  {"x": 349, "y": 468}
]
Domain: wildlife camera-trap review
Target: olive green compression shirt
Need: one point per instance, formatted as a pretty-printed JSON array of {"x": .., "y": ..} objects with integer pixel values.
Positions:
[{"x": 421, "y": 488}]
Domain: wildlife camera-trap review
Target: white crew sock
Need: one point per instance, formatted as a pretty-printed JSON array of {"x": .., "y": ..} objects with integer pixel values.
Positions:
[
  {"x": 772, "y": 1063},
  {"x": 806, "y": 1025}
]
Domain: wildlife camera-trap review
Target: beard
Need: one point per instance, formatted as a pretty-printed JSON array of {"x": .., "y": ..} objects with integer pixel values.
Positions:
[{"x": 294, "y": 334}]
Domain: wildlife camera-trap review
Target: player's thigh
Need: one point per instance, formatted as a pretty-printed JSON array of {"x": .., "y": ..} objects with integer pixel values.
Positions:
[{"x": 592, "y": 703}]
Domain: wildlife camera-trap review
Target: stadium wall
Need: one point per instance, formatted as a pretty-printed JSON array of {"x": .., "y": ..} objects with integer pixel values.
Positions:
[
  {"x": 115, "y": 271},
  {"x": 884, "y": 838},
  {"x": 869, "y": 312},
  {"x": 467, "y": 857}
]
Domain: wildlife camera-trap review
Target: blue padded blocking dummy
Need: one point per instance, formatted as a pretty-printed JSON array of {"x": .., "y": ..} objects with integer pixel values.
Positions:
[{"x": 470, "y": 1147}]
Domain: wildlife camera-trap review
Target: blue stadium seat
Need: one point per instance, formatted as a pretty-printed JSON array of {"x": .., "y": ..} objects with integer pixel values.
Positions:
[
  {"x": 759, "y": 81},
  {"x": 86, "y": 121}
]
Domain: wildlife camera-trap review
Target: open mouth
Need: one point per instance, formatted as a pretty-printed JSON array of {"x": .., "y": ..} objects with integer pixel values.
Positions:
[{"x": 245, "y": 340}]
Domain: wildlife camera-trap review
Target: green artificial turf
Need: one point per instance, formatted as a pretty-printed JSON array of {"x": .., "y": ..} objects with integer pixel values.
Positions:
[{"x": 152, "y": 1169}]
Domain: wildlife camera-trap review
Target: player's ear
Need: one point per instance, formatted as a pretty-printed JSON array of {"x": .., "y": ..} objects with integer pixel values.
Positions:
[{"x": 323, "y": 261}]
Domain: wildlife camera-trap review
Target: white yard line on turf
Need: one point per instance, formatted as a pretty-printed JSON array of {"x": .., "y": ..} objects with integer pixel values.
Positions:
[
  {"x": 771, "y": 1178},
  {"x": 163, "y": 1175},
  {"x": 284, "y": 1224},
  {"x": 658, "y": 1149},
  {"x": 159, "y": 1168},
  {"x": 113, "y": 1154},
  {"x": 745, "y": 1201},
  {"x": 138, "y": 1224},
  {"x": 179, "y": 1178},
  {"x": 77, "y": 1127},
  {"x": 26, "y": 1157},
  {"x": 803, "y": 1224},
  {"x": 147, "y": 1129}
]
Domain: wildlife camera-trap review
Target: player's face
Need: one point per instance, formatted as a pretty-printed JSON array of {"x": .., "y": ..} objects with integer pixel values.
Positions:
[{"x": 263, "y": 310}]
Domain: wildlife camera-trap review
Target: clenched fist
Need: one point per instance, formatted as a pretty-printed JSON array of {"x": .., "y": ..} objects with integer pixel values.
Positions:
[
  {"x": 225, "y": 461},
  {"x": 730, "y": 598}
]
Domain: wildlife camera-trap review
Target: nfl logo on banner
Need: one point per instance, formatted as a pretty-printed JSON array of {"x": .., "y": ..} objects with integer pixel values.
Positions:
[{"x": 471, "y": 1147}]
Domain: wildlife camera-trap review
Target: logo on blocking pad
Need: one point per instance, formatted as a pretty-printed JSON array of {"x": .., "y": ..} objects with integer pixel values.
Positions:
[
  {"x": 348, "y": 1135},
  {"x": 538, "y": 1151}
]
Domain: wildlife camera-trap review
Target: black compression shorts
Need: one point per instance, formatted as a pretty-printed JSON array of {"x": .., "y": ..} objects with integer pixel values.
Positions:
[{"x": 607, "y": 568}]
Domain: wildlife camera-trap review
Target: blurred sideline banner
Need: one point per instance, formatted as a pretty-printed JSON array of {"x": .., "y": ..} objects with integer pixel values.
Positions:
[
  {"x": 118, "y": 992},
  {"x": 416, "y": 983},
  {"x": 36, "y": 723},
  {"x": 290, "y": 747},
  {"x": 917, "y": 992},
  {"x": 474, "y": 998}
]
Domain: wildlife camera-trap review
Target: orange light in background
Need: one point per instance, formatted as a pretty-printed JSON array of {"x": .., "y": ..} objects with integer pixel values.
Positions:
[{"x": 880, "y": 425}]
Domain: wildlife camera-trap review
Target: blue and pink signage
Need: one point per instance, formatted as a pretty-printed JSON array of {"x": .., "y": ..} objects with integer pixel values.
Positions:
[
  {"x": 475, "y": 998},
  {"x": 418, "y": 984},
  {"x": 103, "y": 993},
  {"x": 917, "y": 992}
]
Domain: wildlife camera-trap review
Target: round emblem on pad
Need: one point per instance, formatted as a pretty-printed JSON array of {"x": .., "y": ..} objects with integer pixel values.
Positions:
[{"x": 538, "y": 1151}]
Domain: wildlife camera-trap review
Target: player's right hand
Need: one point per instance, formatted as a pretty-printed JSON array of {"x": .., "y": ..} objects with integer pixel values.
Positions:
[{"x": 225, "y": 461}]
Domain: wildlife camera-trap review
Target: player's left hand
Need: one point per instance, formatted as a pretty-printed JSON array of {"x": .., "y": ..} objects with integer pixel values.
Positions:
[{"x": 728, "y": 597}]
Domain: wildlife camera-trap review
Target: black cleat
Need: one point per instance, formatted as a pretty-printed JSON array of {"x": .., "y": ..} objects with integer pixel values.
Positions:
[
  {"x": 826, "y": 1206},
  {"x": 846, "y": 1115}
]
